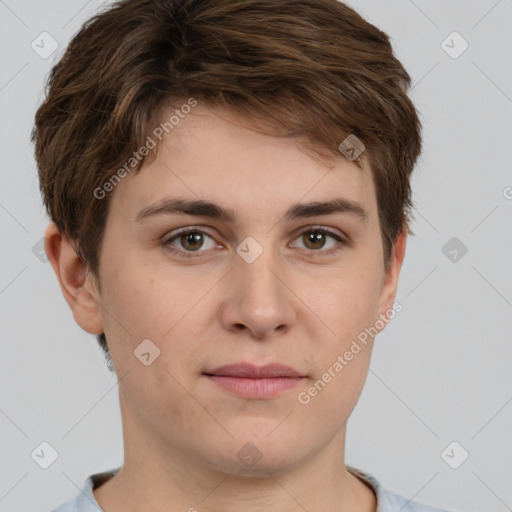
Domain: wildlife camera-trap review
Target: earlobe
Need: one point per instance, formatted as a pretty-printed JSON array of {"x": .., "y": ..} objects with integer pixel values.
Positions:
[{"x": 78, "y": 289}]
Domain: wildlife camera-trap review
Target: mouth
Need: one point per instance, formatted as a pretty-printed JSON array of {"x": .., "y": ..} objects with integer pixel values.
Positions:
[{"x": 258, "y": 382}]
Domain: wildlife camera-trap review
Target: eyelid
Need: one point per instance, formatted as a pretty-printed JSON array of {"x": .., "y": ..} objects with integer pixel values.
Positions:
[
  {"x": 321, "y": 227},
  {"x": 185, "y": 230}
]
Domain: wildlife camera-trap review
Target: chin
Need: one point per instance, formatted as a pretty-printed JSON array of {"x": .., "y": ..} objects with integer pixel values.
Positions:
[{"x": 258, "y": 458}]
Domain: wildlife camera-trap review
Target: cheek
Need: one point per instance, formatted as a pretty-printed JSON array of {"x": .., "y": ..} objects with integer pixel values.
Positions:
[
  {"x": 350, "y": 308},
  {"x": 157, "y": 399},
  {"x": 147, "y": 307},
  {"x": 168, "y": 312},
  {"x": 349, "y": 303},
  {"x": 335, "y": 393},
  {"x": 145, "y": 303}
]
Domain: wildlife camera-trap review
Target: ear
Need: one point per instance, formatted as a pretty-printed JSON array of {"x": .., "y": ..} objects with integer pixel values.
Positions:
[
  {"x": 78, "y": 288},
  {"x": 390, "y": 279}
]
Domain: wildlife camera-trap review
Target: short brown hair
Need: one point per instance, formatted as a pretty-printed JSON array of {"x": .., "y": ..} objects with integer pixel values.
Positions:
[{"x": 308, "y": 67}]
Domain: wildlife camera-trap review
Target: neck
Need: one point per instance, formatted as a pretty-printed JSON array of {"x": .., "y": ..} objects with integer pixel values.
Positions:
[{"x": 159, "y": 477}]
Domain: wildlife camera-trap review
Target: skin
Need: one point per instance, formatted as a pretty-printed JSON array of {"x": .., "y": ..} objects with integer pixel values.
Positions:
[{"x": 292, "y": 304}]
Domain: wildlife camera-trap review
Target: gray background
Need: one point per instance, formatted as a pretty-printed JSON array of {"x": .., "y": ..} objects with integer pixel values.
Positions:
[{"x": 440, "y": 371}]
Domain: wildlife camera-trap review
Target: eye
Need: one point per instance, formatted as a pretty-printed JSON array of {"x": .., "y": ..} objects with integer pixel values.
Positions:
[
  {"x": 315, "y": 239},
  {"x": 188, "y": 241},
  {"x": 191, "y": 240}
]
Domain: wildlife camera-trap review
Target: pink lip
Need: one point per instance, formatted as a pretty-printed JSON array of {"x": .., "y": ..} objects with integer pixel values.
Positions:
[{"x": 252, "y": 381}]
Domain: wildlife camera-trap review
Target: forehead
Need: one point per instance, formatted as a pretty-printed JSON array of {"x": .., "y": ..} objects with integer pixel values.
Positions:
[{"x": 211, "y": 154}]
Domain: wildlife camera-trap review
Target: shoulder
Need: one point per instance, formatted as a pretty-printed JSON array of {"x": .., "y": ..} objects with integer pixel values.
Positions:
[
  {"x": 85, "y": 501},
  {"x": 388, "y": 501},
  {"x": 80, "y": 503}
]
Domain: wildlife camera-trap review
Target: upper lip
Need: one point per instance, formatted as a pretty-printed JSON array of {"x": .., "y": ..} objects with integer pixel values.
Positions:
[{"x": 251, "y": 371}]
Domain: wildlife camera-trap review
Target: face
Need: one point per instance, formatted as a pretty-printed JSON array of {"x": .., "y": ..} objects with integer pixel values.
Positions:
[{"x": 267, "y": 283}]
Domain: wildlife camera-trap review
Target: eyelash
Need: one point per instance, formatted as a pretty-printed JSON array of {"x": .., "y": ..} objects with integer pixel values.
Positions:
[{"x": 194, "y": 254}]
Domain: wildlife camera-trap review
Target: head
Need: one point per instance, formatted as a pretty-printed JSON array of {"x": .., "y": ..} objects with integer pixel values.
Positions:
[{"x": 241, "y": 107}]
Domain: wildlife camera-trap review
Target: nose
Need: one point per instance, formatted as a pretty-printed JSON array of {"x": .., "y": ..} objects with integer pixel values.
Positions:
[{"x": 258, "y": 301}]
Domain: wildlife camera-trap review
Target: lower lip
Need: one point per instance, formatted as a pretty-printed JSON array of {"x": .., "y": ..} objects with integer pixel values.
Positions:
[{"x": 255, "y": 388}]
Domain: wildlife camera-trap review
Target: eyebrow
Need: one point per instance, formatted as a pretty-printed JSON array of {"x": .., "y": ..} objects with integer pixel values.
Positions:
[{"x": 212, "y": 210}]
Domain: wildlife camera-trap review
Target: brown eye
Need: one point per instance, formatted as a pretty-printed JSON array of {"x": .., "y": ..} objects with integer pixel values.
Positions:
[
  {"x": 189, "y": 241},
  {"x": 316, "y": 240}
]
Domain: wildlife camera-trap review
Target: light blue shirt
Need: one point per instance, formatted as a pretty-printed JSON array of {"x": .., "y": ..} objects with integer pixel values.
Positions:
[{"x": 386, "y": 501}]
